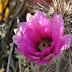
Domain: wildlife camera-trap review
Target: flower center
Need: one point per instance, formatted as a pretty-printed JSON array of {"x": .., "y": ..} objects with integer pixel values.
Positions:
[{"x": 43, "y": 45}]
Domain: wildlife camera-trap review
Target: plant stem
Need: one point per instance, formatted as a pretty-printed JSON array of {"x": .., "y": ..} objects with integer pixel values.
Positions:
[
  {"x": 32, "y": 67},
  {"x": 20, "y": 63},
  {"x": 9, "y": 59}
]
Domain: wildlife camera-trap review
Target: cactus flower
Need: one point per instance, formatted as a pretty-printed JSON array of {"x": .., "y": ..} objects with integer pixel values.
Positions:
[{"x": 40, "y": 39}]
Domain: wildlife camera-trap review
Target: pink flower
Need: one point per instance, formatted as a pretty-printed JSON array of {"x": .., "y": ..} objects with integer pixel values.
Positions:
[{"x": 40, "y": 39}]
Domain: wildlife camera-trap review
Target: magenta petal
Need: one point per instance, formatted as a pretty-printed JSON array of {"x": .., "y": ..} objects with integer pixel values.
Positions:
[
  {"x": 57, "y": 54},
  {"x": 39, "y": 24},
  {"x": 56, "y": 47},
  {"x": 57, "y": 28},
  {"x": 49, "y": 56},
  {"x": 17, "y": 37},
  {"x": 41, "y": 62},
  {"x": 22, "y": 27},
  {"x": 37, "y": 28},
  {"x": 24, "y": 46},
  {"x": 48, "y": 62},
  {"x": 22, "y": 43},
  {"x": 30, "y": 35},
  {"x": 23, "y": 53},
  {"x": 31, "y": 49},
  {"x": 18, "y": 51},
  {"x": 35, "y": 57},
  {"x": 51, "y": 49},
  {"x": 39, "y": 14},
  {"x": 48, "y": 30},
  {"x": 28, "y": 55},
  {"x": 65, "y": 42}
]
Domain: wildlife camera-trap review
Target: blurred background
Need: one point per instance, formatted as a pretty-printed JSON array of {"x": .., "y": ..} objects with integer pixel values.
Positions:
[{"x": 14, "y": 11}]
